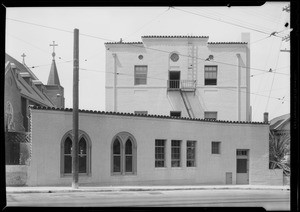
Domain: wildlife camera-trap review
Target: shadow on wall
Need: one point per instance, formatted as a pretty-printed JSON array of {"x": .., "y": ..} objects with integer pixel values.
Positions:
[{"x": 193, "y": 102}]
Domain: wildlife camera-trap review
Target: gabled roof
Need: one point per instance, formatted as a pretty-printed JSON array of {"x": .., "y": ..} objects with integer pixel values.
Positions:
[
  {"x": 147, "y": 115},
  {"x": 53, "y": 78},
  {"x": 279, "y": 122},
  {"x": 21, "y": 67},
  {"x": 28, "y": 91}
]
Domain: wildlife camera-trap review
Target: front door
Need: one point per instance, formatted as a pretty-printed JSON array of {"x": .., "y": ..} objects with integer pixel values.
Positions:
[{"x": 242, "y": 166}]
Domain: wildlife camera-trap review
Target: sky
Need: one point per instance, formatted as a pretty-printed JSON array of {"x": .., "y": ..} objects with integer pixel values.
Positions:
[{"x": 32, "y": 30}]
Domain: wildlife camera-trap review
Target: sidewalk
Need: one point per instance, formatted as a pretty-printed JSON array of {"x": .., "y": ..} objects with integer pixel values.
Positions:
[{"x": 66, "y": 189}]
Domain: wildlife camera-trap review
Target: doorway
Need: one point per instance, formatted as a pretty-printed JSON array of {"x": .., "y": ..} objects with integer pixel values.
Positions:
[
  {"x": 174, "y": 79},
  {"x": 242, "y": 166}
]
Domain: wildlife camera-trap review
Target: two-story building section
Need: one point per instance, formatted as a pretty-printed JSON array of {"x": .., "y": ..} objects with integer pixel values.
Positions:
[{"x": 180, "y": 76}]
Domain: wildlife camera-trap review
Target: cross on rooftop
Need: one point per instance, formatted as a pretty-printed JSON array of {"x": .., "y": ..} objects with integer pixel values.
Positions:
[
  {"x": 53, "y": 54},
  {"x": 23, "y": 55}
]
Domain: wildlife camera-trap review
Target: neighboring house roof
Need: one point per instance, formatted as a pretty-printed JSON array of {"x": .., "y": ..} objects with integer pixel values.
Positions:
[
  {"x": 53, "y": 78},
  {"x": 21, "y": 67},
  {"x": 279, "y": 122},
  {"x": 148, "y": 115},
  {"x": 29, "y": 91}
]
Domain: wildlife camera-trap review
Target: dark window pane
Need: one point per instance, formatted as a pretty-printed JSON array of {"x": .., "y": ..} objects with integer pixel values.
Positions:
[
  {"x": 128, "y": 147},
  {"x": 82, "y": 146},
  {"x": 68, "y": 146},
  {"x": 128, "y": 164},
  {"x": 68, "y": 164},
  {"x": 241, "y": 166},
  {"x": 210, "y": 81},
  {"x": 190, "y": 163},
  {"x": 116, "y": 147},
  {"x": 175, "y": 163},
  {"x": 82, "y": 164},
  {"x": 159, "y": 163},
  {"x": 117, "y": 164}
]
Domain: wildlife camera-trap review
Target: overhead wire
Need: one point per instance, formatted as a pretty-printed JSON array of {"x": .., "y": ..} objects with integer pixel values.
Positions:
[
  {"x": 238, "y": 25},
  {"x": 132, "y": 44},
  {"x": 149, "y": 22},
  {"x": 244, "y": 23}
]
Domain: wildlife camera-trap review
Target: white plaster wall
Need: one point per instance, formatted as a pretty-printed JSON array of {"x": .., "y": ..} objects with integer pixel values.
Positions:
[
  {"x": 156, "y": 98},
  {"x": 48, "y": 128}
]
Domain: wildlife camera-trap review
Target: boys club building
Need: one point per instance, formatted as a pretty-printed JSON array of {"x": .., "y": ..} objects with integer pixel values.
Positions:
[{"x": 201, "y": 132}]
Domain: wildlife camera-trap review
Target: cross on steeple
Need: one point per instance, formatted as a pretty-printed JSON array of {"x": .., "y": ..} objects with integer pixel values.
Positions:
[
  {"x": 23, "y": 55},
  {"x": 53, "y": 53}
]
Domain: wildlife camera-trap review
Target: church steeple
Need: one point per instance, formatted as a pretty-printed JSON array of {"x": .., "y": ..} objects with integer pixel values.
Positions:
[{"x": 53, "y": 78}]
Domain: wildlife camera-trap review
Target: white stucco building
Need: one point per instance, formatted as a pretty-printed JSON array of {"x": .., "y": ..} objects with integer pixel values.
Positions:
[
  {"x": 130, "y": 149},
  {"x": 183, "y": 76}
]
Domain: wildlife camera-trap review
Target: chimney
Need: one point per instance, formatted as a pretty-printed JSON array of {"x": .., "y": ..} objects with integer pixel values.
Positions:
[{"x": 266, "y": 117}]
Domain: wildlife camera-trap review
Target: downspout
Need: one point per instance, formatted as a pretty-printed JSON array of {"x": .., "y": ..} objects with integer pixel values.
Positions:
[
  {"x": 115, "y": 83},
  {"x": 239, "y": 87}
]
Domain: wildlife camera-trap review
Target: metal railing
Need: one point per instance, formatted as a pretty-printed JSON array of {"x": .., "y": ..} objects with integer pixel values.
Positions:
[{"x": 181, "y": 84}]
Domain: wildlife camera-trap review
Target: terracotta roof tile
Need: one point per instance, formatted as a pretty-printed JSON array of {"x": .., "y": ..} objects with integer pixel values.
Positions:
[
  {"x": 147, "y": 115},
  {"x": 218, "y": 43}
]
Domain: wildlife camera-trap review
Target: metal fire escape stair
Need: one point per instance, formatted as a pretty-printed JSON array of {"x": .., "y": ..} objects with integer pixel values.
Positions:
[
  {"x": 187, "y": 104},
  {"x": 191, "y": 76}
]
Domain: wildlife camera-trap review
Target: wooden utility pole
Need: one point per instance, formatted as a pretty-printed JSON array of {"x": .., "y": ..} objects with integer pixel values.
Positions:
[{"x": 75, "y": 165}]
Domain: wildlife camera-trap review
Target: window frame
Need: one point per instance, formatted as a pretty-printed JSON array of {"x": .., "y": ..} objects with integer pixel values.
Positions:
[
  {"x": 81, "y": 134},
  {"x": 194, "y": 153},
  {"x": 206, "y": 83},
  {"x": 139, "y": 77},
  {"x": 179, "y": 112},
  {"x": 173, "y": 154},
  {"x": 211, "y": 112},
  {"x": 218, "y": 152},
  {"x": 157, "y": 153},
  {"x": 123, "y": 137}
]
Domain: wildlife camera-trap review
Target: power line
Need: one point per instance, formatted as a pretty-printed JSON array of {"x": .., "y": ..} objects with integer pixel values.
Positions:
[
  {"x": 97, "y": 37},
  {"x": 260, "y": 31},
  {"x": 148, "y": 23},
  {"x": 148, "y": 77},
  {"x": 273, "y": 77}
]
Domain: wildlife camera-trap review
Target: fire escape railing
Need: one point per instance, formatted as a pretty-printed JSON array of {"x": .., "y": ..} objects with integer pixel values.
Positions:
[{"x": 184, "y": 85}]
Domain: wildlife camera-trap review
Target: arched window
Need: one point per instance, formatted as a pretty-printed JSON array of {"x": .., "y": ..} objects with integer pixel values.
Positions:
[
  {"x": 68, "y": 156},
  {"x": 124, "y": 154},
  {"x": 116, "y": 156},
  {"x": 84, "y": 154},
  {"x": 128, "y": 156}
]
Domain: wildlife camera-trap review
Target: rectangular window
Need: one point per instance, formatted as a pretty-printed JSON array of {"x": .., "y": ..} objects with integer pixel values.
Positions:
[
  {"x": 215, "y": 147},
  {"x": 191, "y": 154},
  {"x": 175, "y": 153},
  {"x": 210, "y": 75},
  {"x": 175, "y": 113},
  {"x": 160, "y": 153},
  {"x": 141, "y": 112},
  {"x": 210, "y": 115},
  {"x": 140, "y": 75}
]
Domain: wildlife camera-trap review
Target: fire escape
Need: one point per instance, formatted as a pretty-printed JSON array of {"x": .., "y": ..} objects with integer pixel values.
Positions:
[{"x": 188, "y": 85}]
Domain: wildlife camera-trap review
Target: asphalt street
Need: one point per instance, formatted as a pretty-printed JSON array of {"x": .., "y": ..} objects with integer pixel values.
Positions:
[{"x": 269, "y": 199}]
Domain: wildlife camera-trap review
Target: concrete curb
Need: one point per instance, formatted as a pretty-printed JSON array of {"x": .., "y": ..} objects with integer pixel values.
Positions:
[{"x": 139, "y": 189}]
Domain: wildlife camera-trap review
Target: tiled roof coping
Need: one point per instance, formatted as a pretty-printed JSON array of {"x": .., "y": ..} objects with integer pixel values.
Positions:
[
  {"x": 146, "y": 115},
  {"x": 123, "y": 43},
  {"x": 214, "y": 43},
  {"x": 174, "y": 36}
]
